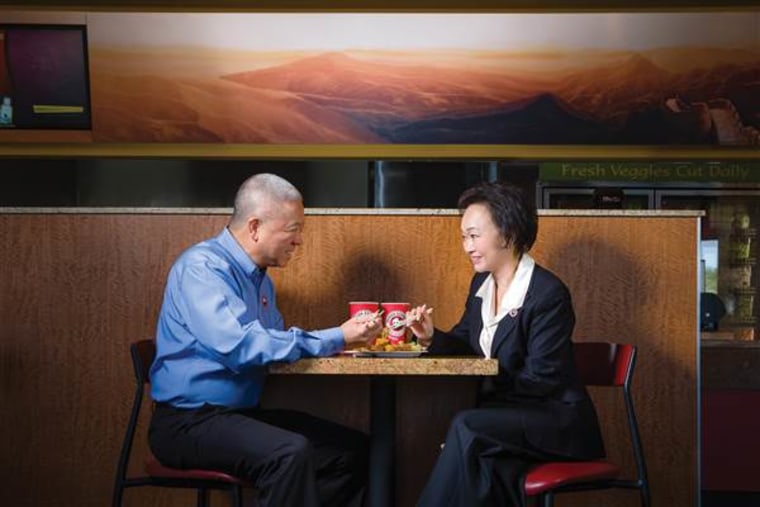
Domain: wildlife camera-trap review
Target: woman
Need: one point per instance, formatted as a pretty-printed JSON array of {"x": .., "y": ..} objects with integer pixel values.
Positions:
[{"x": 521, "y": 314}]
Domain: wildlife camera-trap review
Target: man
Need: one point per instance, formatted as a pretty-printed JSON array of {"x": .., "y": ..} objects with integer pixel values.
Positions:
[{"x": 218, "y": 328}]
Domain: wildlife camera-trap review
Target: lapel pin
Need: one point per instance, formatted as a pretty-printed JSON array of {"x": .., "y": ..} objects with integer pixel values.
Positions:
[{"x": 513, "y": 312}]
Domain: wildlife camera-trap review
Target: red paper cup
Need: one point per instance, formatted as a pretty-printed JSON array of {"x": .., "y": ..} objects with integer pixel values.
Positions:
[
  {"x": 362, "y": 308},
  {"x": 395, "y": 313}
]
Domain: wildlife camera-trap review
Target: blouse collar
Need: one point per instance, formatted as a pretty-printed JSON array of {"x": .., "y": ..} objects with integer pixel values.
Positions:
[{"x": 515, "y": 295}]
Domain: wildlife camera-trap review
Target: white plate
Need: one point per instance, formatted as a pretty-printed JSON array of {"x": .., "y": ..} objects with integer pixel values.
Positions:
[{"x": 394, "y": 353}]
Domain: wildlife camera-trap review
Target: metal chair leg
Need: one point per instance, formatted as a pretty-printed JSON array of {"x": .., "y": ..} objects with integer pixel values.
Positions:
[
  {"x": 547, "y": 499},
  {"x": 117, "y": 496},
  {"x": 237, "y": 496},
  {"x": 202, "y": 497},
  {"x": 645, "y": 500}
]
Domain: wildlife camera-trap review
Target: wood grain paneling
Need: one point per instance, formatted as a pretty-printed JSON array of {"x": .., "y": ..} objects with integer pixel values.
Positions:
[
  {"x": 77, "y": 289},
  {"x": 634, "y": 280}
]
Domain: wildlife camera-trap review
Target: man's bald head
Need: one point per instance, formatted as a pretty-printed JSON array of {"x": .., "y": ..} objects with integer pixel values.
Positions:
[{"x": 260, "y": 195}]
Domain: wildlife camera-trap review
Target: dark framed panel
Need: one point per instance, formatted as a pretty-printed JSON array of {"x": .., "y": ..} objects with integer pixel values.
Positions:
[{"x": 44, "y": 77}]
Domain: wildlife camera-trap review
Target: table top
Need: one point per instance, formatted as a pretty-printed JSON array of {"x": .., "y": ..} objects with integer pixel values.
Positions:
[{"x": 425, "y": 365}]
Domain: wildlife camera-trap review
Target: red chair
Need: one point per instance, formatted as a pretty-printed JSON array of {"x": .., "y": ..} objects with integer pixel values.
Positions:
[
  {"x": 599, "y": 364},
  {"x": 157, "y": 474}
]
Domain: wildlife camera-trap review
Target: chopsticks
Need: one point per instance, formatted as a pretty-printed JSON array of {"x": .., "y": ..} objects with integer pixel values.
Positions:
[{"x": 406, "y": 322}]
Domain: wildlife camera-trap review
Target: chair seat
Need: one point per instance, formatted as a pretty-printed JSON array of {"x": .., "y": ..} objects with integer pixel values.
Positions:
[
  {"x": 549, "y": 476},
  {"x": 155, "y": 469}
]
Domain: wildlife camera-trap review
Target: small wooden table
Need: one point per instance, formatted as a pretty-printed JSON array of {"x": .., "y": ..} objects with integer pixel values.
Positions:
[{"x": 383, "y": 372}]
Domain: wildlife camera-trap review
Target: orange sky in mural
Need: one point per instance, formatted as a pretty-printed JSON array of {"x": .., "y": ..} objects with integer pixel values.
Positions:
[
  {"x": 534, "y": 91},
  {"x": 424, "y": 31}
]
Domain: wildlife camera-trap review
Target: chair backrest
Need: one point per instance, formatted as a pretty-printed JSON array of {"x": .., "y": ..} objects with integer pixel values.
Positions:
[
  {"x": 143, "y": 353},
  {"x": 605, "y": 364},
  {"x": 612, "y": 364}
]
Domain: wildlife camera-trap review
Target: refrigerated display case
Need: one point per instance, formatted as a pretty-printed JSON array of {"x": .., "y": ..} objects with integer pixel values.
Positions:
[
  {"x": 728, "y": 243},
  {"x": 729, "y": 231}
]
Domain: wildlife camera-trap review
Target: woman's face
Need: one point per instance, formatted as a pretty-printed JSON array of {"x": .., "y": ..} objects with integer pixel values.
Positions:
[{"x": 482, "y": 242}]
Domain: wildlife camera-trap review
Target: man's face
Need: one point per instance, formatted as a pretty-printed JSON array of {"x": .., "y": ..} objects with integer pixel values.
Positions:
[{"x": 279, "y": 233}]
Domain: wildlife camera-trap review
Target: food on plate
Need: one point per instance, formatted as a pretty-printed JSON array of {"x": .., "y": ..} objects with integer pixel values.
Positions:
[{"x": 382, "y": 344}]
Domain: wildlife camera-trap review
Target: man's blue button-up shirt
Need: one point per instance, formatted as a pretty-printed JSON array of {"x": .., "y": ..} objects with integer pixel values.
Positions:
[{"x": 219, "y": 327}]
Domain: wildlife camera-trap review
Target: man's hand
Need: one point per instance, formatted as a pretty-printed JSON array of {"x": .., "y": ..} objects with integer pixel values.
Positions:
[{"x": 362, "y": 330}]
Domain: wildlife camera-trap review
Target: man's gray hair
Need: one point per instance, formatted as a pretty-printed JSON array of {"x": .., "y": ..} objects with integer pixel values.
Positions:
[{"x": 258, "y": 194}]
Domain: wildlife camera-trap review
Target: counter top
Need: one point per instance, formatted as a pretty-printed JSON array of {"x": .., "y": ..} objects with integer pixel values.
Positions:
[
  {"x": 343, "y": 211},
  {"x": 347, "y": 365},
  {"x": 729, "y": 344}
]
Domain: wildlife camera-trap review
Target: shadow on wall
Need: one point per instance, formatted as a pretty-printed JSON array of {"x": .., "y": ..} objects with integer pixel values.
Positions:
[
  {"x": 369, "y": 276},
  {"x": 323, "y": 301},
  {"x": 628, "y": 300},
  {"x": 615, "y": 302}
]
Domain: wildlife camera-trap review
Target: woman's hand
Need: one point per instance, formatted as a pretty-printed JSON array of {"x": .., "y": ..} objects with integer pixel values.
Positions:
[{"x": 418, "y": 319}]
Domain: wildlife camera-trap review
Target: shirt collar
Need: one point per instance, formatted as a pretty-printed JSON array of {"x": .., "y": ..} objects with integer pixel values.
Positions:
[
  {"x": 517, "y": 290},
  {"x": 231, "y": 245}
]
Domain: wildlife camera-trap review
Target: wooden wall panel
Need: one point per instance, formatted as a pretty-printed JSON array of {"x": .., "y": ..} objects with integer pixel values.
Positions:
[
  {"x": 634, "y": 280},
  {"x": 77, "y": 289},
  {"x": 388, "y": 258}
]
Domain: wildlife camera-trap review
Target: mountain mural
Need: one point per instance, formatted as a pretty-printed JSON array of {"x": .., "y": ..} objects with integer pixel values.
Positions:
[
  {"x": 378, "y": 93},
  {"x": 530, "y": 121},
  {"x": 405, "y": 97}
]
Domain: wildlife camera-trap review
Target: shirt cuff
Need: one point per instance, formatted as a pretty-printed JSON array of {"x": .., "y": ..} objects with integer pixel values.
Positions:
[{"x": 332, "y": 340}]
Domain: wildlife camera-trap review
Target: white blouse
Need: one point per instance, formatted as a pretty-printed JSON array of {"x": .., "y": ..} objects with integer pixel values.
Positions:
[{"x": 510, "y": 303}]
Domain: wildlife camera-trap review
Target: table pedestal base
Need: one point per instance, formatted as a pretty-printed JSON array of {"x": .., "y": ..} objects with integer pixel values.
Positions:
[{"x": 382, "y": 429}]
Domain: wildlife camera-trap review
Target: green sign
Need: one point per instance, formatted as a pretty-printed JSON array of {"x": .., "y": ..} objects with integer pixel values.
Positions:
[{"x": 746, "y": 172}]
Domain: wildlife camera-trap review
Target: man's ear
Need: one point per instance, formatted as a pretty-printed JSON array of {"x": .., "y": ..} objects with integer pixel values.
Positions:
[{"x": 254, "y": 224}]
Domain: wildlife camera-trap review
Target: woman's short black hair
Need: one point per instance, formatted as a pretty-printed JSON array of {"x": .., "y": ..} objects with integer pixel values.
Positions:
[{"x": 513, "y": 212}]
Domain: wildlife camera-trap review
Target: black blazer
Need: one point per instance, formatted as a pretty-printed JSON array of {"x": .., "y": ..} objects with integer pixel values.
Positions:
[{"x": 537, "y": 374}]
